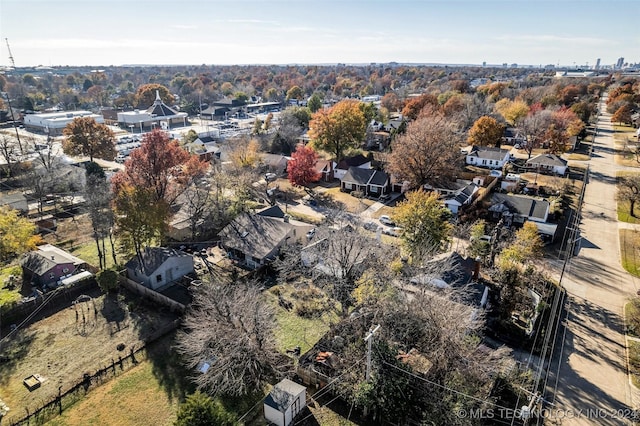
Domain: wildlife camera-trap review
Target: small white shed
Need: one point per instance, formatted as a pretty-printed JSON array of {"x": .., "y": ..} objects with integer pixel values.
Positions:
[{"x": 284, "y": 402}]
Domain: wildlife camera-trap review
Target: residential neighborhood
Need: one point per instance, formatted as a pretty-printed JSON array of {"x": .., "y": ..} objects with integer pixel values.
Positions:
[{"x": 273, "y": 251}]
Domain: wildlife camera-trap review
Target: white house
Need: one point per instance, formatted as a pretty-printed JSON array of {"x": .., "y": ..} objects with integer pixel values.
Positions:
[
  {"x": 462, "y": 197},
  {"x": 54, "y": 123},
  {"x": 340, "y": 169},
  {"x": 284, "y": 402},
  {"x": 484, "y": 156},
  {"x": 159, "y": 267},
  {"x": 548, "y": 163}
]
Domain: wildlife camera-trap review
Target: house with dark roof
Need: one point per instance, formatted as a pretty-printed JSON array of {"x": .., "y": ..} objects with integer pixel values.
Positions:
[
  {"x": 461, "y": 197},
  {"x": 158, "y": 267},
  {"x": 274, "y": 163},
  {"x": 490, "y": 157},
  {"x": 16, "y": 201},
  {"x": 512, "y": 136},
  {"x": 48, "y": 265},
  {"x": 518, "y": 208},
  {"x": 254, "y": 239},
  {"x": 451, "y": 271},
  {"x": 359, "y": 161},
  {"x": 548, "y": 163},
  {"x": 371, "y": 182}
]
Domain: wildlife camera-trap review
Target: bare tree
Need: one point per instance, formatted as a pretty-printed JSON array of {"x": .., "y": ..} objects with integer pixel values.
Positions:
[
  {"x": 98, "y": 201},
  {"x": 196, "y": 206},
  {"x": 228, "y": 339},
  {"x": 9, "y": 152}
]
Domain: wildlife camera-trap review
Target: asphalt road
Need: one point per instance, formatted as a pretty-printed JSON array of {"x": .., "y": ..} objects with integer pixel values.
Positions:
[{"x": 589, "y": 384}]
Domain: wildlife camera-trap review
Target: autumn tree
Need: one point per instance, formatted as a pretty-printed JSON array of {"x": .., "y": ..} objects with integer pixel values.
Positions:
[
  {"x": 413, "y": 107},
  {"x": 629, "y": 191},
  {"x": 84, "y": 136},
  {"x": 486, "y": 131},
  {"x": 161, "y": 166},
  {"x": 427, "y": 152},
  {"x": 478, "y": 247},
  {"x": 391, "y": 102},
  {"x": 301, "y": 169},
  {"x": 245, "y": 153},
  {"x": 146, "y": 95},
  {"x": 622, "y": 115},
  {"x": 423, "y": 219},
  {"x": 229, "y": 327},
  {"x": 525, "y": 248},
  {"x": 295, "y": 92},
  {"x": 512, "y": 111},
  {"x": 535, "y": 126},
  {"x": 16, "y": 234},
  {"x": 338, "y": 128}
]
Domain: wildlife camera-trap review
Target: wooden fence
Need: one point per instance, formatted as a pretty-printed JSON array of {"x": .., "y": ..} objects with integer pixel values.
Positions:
[{"x": 152, "y": 295}]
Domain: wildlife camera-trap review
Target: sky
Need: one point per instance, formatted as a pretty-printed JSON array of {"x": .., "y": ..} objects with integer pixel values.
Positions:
[{"x": 123, "y": 32}]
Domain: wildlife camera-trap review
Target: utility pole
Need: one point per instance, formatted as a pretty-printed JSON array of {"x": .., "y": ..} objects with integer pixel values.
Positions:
[{"x": 369, "y": 339}]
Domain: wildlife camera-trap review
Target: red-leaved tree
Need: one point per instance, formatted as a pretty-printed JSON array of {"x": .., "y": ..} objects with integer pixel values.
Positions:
[{"x": 301, "y": 169}]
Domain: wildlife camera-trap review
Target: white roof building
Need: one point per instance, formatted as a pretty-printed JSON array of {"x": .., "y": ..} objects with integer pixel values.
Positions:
[{"x": 54, "y": 122}]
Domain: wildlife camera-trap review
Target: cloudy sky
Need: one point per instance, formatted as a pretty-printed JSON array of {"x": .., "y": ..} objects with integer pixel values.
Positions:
[{"x": 118, "y": 32}]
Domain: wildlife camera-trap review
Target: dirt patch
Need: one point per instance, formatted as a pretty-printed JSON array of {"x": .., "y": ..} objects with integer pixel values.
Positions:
[
  {"x": 77, "y": 340},
  {"x": 71, "y": 232}
]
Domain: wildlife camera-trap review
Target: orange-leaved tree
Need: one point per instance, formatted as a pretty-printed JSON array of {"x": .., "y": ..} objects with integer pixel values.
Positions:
[
  {"x": 486, "y": 131},
  {"x": 338, "y": 128},
  {"x": 85, "y": 136}
]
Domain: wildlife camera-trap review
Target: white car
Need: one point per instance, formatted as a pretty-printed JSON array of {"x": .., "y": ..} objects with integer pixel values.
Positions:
[{"x": 386, "y": 220}]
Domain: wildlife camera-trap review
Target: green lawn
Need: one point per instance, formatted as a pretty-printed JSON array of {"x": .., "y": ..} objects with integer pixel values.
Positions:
[
  {"x": 10, "y": 295},
  {"x": 294, "y": 330},
  {"x": 136, "y": 397},
  {"x": 634, "y": 362},
  {"x": 89, "y": 253},
  {"x": 624, "y": 214},
  {"x": 629, "y": 244}
]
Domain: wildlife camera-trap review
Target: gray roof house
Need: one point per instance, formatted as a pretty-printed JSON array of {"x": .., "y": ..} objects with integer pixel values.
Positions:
[
  {"x": 484, "y": 156},
  {"x": 49, "y": 264},
  {"x": 518, "y": 209},
  {"x": 159, "y": 266},
  {"x": 548, "y": 163},
  {"x": 255, "y": 239},
  {"x": 370, "y": 181},
  {"x": 460, "y": 198}
]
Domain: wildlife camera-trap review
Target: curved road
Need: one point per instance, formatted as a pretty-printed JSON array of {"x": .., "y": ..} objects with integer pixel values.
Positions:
[{"x": 589, "y": 368}]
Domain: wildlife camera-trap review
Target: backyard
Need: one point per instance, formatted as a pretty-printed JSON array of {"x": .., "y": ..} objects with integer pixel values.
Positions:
[
  {"x": 78, "y": 339},
  {"x": 629, "y": 251}
]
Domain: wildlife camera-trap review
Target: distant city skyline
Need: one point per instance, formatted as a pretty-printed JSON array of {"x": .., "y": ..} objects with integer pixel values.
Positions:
[{"x": 525, "y": 32}]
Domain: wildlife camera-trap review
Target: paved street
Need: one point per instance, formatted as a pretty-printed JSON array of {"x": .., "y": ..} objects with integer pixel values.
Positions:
[{"x": 591, "y": 353}]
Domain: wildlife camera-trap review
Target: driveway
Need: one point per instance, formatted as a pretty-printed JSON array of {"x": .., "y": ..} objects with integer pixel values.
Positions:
[{"x": 589, "y": 371}]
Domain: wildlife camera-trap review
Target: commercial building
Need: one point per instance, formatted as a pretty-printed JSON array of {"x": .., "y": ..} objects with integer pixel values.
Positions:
[{"x": 53, "y": 123}]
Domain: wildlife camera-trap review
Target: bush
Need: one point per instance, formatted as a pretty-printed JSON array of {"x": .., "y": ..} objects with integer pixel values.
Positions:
[
  {"x": 200, "y": 410},
  {"x": 107, "y": 280}
]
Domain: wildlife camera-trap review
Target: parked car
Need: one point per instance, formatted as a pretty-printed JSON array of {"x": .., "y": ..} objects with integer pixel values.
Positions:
[
  {"x": 270, "y": 177},
  {"x": 495, "y": 173},
  {"x": 392, "y": 231},
  {"x": 121, "y": 158},
  {"x": 384, "y": 198},
  {"x": 311, "y": 233},
  {"x": 386, "y": 220},
  {"x": 370, "y": 226}
]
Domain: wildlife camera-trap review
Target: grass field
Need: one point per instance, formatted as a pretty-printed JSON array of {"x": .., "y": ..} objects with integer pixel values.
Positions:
[
  {"x": 78, "y": 339},
  {"x": 135, "y": 398},
  {"x": 10, "y": 295},
  {"x": 634, "y": 362},
  {"x": 629, "y": 251},
  {"x": 624, "y": 213},
  {"x": 294, "y": 330}
]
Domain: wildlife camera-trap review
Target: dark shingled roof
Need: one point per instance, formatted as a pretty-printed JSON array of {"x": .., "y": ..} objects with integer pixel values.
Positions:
[
  {"x": 488, "y": 152},
  {"x": 152, "y": 258},
  {"x": 524, "y": 206},
  {"x": 160, "y": 109},
  {"x": 355, "y": 161},
  {"x": 547, "y": 160},
  {"x": 379, "y": 178},
  {"x": 254, "y": 234},
  {"x": 358, "y": 175}
]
